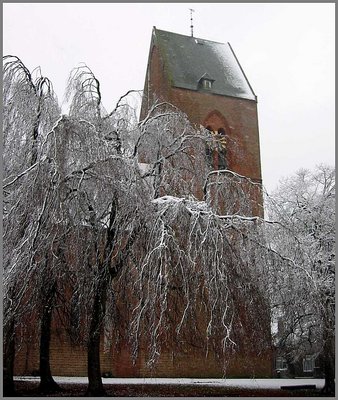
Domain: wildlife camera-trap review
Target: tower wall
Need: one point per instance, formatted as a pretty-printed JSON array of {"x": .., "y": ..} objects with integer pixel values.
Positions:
[
  {"x": 242, "y": 148},
  {"x": 241, "y": 115}
]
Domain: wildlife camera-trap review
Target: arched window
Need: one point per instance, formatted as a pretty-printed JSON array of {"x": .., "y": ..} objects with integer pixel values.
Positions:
[{"x": 216, "y": 152}]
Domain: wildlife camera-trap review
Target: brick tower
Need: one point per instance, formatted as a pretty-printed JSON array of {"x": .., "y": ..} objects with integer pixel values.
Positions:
[{"x": 205, "y": 80}]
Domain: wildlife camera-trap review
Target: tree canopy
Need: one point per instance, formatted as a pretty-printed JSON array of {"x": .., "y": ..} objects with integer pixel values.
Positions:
[{"x": 122, "y": 227}]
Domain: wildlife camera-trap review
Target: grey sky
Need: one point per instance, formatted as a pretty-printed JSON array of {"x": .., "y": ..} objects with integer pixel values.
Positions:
[{"x": 285, "y": 49}]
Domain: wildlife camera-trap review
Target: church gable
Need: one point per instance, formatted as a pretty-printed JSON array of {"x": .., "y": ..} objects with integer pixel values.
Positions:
[
  {"x": 204, "y": 80},
  {"x": 189, "y": 59}
]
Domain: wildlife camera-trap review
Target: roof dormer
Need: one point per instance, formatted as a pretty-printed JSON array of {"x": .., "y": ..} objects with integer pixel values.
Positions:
[{"x": 205, "y": 82}]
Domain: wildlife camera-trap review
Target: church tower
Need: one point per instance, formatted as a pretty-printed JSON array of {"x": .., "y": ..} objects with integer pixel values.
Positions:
[{"x": 204, "y": 79}]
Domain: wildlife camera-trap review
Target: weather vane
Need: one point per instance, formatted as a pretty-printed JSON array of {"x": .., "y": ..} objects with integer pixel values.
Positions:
[{"x": 191, "y": 26}]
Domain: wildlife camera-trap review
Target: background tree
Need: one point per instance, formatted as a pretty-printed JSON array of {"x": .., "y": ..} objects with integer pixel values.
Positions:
[{"x": 304, "y": 291}]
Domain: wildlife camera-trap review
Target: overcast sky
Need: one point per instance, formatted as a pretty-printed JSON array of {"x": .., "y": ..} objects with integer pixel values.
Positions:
[{"x": 285, "y": 49}]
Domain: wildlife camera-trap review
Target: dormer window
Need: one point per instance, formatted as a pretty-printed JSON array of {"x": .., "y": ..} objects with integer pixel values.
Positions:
[{"x": 206, "y": 82}]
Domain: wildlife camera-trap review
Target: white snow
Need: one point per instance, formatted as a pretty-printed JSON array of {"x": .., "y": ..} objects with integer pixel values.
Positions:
[
  {"x": 240, "y": 383},
  {"x": 167, "y": 199},
  {"x": 144, "y": 167},
  {"x": 232, "y": 69},
  {"x": 192, "y": 205}
]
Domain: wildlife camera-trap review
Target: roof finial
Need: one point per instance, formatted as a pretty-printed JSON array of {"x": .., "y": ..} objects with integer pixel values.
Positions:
[{"x": 191, "y": 26}]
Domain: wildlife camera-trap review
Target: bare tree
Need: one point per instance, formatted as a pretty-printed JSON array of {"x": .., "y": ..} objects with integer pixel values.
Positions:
[{"x": 304, "y": 294}]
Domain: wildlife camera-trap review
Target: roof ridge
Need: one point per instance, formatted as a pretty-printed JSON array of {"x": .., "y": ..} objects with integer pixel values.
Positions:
[{"x": 187, "y": 36}]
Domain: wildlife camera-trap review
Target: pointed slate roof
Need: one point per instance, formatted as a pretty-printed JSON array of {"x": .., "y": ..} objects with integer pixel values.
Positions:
[{"x": 188, "y": 58}]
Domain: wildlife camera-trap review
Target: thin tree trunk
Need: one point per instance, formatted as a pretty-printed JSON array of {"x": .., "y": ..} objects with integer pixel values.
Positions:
[
  {"x": 329, "y": 386},
  {"x": 329, "y": 364},
  {"x": 329, "y": 346},
  {"x": 35, "y": 135},
  {"x": 95, "y": 385},
  {"x": 47, "y": 383},
  {"x": 8, "y": 359}
]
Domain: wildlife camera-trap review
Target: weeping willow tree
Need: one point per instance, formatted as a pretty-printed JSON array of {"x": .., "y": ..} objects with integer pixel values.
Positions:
[
  {"x": 149, "y": 245},
  {"x": 30, "y": 110},
  {"x": 124, "y": 226}
]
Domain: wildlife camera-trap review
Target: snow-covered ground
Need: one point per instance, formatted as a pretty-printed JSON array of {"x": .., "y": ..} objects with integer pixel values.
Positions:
[{"x": 242, "y": 383}]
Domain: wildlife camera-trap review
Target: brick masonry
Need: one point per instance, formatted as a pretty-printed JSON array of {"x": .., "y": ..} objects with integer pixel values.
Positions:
[{"x": 71, "y": 360}]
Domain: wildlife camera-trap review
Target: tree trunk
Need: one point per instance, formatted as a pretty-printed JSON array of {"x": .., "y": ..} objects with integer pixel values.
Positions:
[
  {"x": 329, "y": 364},
  {"x": 105, "y": 275},
  {"x": 47, "y": 383},
  {"x": 329, "y": 344},
  {"x": 35, "y": 135},
  {"x": 95, "y": 385},
  {"x": 329, "y": 386},
  {"x": 8, "y": 360}
]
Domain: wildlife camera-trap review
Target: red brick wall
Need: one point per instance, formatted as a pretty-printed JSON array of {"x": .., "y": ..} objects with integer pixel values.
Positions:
[
  {"x": 71, "y": 360},
  {"x": 157, "y": 88},
  {"x": 241, "y": 116}
]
